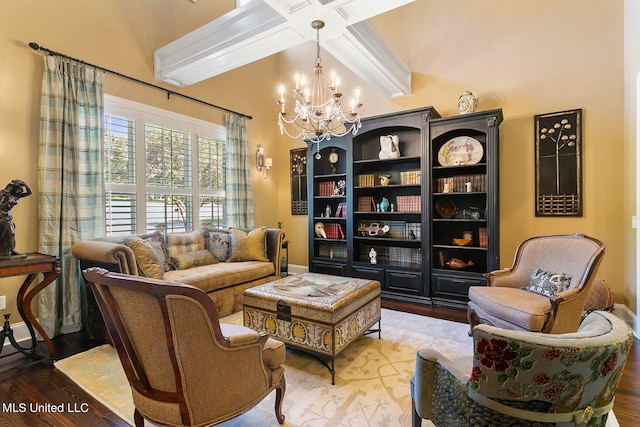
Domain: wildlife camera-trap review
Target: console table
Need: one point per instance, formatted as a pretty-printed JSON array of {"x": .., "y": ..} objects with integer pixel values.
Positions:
[{"x": 31, "y": 265}]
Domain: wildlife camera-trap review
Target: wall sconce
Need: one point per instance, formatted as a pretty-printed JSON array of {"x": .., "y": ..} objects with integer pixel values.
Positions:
[{"x": 263, "y": 164}]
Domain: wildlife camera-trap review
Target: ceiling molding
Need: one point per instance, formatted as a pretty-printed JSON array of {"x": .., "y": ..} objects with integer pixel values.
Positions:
[{"x": 259, "y": 29}]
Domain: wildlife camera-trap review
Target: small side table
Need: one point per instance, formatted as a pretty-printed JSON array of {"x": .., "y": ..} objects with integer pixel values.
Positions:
[
  {"x": 284, "y": 262},
  {"x": 31, "y": 265}
]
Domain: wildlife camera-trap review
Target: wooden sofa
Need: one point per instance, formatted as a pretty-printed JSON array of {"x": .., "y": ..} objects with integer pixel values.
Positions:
[{"x": 222, "y": 263}]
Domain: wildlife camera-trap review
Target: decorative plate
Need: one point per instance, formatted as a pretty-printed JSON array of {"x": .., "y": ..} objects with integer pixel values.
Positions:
[
  {"x": 461, "y": 150},
  {"x": 446, "y": 208}
]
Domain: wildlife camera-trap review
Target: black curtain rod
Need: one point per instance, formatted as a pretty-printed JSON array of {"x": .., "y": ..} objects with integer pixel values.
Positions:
[{"x": 36, "y": 46}]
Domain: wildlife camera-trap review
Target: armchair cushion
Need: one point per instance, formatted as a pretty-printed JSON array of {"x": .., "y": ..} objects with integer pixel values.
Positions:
[
  {"x": 548, "y": 284},
  {"x": 525, "y": 309}
]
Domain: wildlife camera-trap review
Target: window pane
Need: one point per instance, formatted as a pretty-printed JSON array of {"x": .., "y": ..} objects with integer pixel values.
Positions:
[
  {"x": 121, "y": 213},
  {"x": 211, "y": 158},
  {"x": 211, "y": 212},
  {"x": 169, "y": 212},
  {"x": 167, "y": 157},
  {"x": 119, "y": 150}
]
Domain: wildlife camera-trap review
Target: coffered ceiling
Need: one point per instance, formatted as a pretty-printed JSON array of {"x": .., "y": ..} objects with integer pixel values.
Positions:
[{"x": 261, "y": 28}]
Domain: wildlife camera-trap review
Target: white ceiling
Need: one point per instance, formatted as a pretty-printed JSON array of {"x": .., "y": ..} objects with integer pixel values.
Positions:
[{"x": 261, "y": 28}]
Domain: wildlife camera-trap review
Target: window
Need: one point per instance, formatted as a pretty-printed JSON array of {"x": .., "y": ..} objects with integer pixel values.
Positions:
[{"x": 162, "y": 170}]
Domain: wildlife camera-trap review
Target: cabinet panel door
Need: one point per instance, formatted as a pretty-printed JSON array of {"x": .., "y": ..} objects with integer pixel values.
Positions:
[
  {"x": 327, "y": 268},
  {"x": 368, "y": 273},
  {"x": 403, "y": 281},
  {"x": 455, "y": 286}
]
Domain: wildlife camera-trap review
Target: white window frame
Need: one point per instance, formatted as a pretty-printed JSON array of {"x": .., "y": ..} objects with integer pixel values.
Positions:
[{"x": 142, "y": 115}]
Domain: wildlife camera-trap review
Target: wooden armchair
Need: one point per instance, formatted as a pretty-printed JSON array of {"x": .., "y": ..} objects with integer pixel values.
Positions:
[
  {"x": 184, "y": 367},
  {"x": 569, "y": 260}
]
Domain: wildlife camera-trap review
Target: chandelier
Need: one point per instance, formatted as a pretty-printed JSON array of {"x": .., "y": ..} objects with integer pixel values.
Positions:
[{"x": 316, "y": 113}]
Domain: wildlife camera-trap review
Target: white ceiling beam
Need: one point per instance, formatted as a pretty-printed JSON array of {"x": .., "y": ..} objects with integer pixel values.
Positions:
[
  {"x": 244, "y": 35},
  {"x": 261, "y": 28},
  {"x": 362, "y": 51}
]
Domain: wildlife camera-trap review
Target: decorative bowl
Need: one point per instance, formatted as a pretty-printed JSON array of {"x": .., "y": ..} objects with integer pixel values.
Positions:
[
  {"x": 446, "y": 208},
  {"x": 461, "y": 242}
]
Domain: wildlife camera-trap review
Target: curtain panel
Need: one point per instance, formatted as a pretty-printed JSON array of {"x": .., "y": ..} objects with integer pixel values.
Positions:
[
  {"x": 238, "y": 193},
  {"x": 70, "y": 181}
]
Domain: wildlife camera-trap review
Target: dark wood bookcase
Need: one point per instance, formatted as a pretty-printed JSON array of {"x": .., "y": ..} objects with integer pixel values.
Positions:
[
  {"x": 464, "y": 158},
  {"x": 408, "y": 236}
]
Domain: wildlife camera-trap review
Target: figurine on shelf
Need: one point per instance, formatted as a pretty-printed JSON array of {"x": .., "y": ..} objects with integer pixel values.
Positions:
[
  {"x": 9, "y": 197},
  {"x": 327, "y": 211},
  {"x": 384, "y": 205},
  {"x": 319, "y": 230},
  {"x": 373, "y": 256},
  {"x": 389, "y": 147}
]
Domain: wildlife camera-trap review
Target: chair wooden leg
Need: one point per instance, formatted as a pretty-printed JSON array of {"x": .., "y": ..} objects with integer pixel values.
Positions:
[
  {"x": 138, "y": 419},
  {"x": 279, "y": 398},
  {"x": 417, "y": 419}
]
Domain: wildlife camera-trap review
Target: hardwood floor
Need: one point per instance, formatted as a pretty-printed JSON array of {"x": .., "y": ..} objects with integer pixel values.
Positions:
[{"x": 23, "y": 382}]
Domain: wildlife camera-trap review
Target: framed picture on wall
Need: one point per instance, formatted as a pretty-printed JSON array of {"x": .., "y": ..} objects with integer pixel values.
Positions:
[
  {"x": 299, "y": 200},
  {"x": 558, "y": 168}
]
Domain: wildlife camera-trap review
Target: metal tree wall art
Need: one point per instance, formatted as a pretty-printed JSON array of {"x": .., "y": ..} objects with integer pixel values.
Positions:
[
  {"x": 299, "y": 201},
  {"x": 558, "y": 154}
]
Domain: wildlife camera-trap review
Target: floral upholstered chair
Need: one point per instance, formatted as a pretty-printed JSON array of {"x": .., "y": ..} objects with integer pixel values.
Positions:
[{"x": 521, "y": 378}]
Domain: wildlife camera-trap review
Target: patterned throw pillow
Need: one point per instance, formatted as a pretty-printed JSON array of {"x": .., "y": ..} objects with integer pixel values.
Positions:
[
  {"x": 180, "y": 243},
  {"x": 217, "y": 242},
  {"x": 193, "y": 259},
  {"x": 147, "y": 258},
  {"x": 250, "y": 246},
  {"x": 158, "y": 241},
  {"x": 548, "y": 284}
]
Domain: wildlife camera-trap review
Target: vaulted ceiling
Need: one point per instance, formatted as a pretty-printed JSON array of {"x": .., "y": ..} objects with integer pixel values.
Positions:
[{"x": 261, "y": 28}]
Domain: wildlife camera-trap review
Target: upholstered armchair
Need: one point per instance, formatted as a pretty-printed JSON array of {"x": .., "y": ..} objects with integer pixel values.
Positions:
[
  {"x": 183, "y": 366},
  {"x": 545, "y": 289},
  {"x": 519, "y": 378}
]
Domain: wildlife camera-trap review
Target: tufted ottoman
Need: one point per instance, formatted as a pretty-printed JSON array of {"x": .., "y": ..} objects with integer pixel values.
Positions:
[{"x": 316, "y": 313}]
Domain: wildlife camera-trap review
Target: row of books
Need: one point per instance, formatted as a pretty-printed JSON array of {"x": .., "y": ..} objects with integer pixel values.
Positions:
[
  {"x": 326, "y": 188},
  {"x": 411, "y": 177},
  {"x": 341, "y": 211},
  {"x": 397, "y": 229},
  {"x": 409, "y": 203},
  {"x": 334, "y": 231},
  {"x": 367, "y": 204},
  {"x": 482, "y": 237},
  {"x": 461, "y": 183},
  {"x": 366, "y": 180},
  {"x": 332, "y": 250},
  {"x": 402, "y": 257}
]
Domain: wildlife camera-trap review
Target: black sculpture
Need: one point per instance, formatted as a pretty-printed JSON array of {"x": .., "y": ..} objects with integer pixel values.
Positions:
[{"x": 9, "y": 197}]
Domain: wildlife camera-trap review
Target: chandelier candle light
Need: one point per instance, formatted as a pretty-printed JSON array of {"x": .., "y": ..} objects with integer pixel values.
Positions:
[{"x": 317, "y": 114}]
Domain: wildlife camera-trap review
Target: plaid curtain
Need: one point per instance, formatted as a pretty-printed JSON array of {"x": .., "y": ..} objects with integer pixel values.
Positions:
[
  {"x": 70, "y": 181},
  {"x": 239, "y": 197}
]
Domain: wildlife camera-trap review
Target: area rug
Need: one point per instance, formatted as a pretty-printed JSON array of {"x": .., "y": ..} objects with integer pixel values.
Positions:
[{"x": 372, "y": 377}]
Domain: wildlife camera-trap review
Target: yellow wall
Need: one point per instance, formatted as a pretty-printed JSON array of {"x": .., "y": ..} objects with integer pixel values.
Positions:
[{"x": 527, "y": 57}]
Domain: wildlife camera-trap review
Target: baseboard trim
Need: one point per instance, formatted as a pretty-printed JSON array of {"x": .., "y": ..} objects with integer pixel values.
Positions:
[{"x": 629, "y": 317}]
